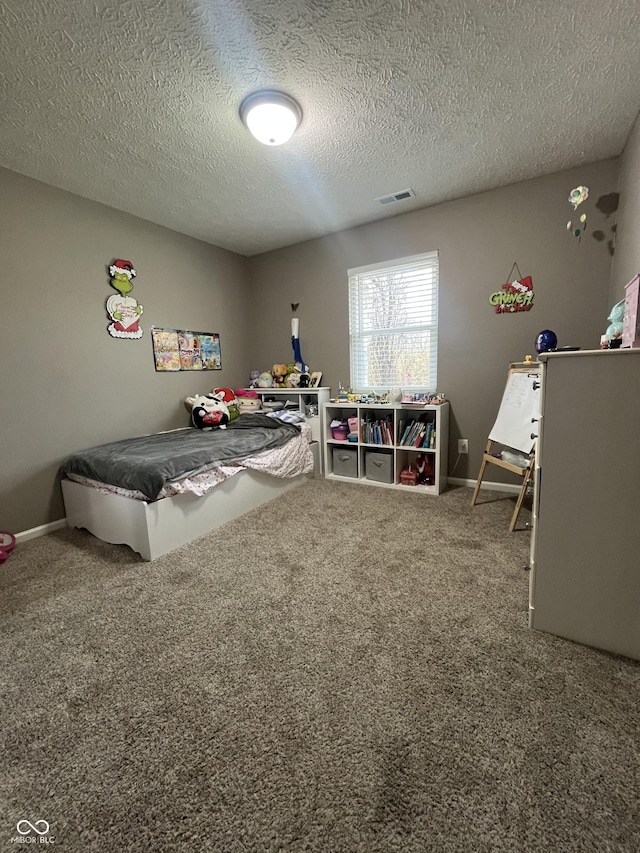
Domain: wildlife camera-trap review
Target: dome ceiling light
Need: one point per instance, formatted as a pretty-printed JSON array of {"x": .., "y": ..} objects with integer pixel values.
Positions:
[{"x": 272, "y": 117}]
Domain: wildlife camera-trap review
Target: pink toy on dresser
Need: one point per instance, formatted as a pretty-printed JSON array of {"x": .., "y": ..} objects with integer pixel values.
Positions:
[{"x": 631, "y": 321}]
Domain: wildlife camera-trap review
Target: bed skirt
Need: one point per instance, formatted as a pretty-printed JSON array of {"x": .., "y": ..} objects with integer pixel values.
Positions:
[{"x": 154, "y": 529}]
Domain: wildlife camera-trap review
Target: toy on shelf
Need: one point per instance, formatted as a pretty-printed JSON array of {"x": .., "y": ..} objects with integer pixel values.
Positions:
[
  {"x": 409, "y": 477},
  {"x": 424, "y": 470},
  {"x": 612, "y": 338},
  {"x": 278, "y": 372}
]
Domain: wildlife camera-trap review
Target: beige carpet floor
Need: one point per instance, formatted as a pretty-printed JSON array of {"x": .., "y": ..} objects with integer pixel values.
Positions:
[{"x": 346, "y": 669}]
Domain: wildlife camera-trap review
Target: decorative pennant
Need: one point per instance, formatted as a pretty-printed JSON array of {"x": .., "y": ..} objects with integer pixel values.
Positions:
[
  {"x": 516, "y": 295},
  {"x": 295, "y": 341}
]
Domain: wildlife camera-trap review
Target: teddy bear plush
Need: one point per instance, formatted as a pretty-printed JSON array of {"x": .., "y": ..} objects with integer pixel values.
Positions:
[{"x": 279, "y": 372}]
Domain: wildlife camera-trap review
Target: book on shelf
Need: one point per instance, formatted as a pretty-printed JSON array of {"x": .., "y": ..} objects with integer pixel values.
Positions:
[
  {"x": 378, "y": 432},
  {"x": 418, "y": 433},
  {"x": 405, "y": 434}
]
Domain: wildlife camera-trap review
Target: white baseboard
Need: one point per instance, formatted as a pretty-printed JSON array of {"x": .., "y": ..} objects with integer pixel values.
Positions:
[
  {"x": 41, "y": 530},
  {"x": 493, "y": 487}
]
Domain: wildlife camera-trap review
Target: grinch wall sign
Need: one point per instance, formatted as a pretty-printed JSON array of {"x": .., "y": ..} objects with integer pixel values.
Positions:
[
  {"x": 515, "y": 295},
  {"x": 123, "y": 310}
]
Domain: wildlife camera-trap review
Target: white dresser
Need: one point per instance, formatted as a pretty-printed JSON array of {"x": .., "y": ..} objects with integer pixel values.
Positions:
[{"x": 585, "y": 544}]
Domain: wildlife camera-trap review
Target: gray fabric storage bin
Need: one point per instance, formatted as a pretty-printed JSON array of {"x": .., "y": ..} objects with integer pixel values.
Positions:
[
  {"x": 345, "y": 461},
  {"x": 378, "y": 466}
]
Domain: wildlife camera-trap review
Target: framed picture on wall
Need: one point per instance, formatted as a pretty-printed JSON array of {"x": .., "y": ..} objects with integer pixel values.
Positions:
[
  {"x": 177, "y": 349},
  {"x": 189, "y": 346},
  {"x": 166, "y": 349},
  {"x": 315, "y": 380},
  {"x": 210, "y": 351}
]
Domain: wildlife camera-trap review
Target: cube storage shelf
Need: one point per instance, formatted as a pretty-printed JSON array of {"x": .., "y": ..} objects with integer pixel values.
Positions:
[{"x": 380, "y": 462}]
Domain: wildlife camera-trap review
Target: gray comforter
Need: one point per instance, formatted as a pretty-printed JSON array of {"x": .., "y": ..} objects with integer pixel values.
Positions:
[{"x": 147, "y": 462}]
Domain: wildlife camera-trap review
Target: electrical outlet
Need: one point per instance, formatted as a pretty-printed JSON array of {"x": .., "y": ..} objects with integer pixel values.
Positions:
[{"x": 463, "y": 445}]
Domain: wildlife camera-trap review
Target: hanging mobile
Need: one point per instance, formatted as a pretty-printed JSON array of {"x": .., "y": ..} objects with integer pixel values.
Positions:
[{"x": 576, "y": 197}]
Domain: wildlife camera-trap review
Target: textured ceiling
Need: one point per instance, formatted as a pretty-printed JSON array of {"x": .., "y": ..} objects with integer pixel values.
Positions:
[{"x": 134, "y": 103}]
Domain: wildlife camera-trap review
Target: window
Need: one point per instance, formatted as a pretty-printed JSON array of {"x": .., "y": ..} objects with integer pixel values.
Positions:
[{"x": 393, "y": 324}]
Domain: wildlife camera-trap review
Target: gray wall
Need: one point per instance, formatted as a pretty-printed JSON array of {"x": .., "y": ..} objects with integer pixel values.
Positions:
[
  {"x": 478, "y": 239},
  {"x": 65, "y": 382},
  {"x": 626, "y": 262}
]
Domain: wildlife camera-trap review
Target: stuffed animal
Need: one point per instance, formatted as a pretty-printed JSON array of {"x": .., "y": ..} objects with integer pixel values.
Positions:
[
  {"x": 229, "y": 398},
  {"x": 249, "y": 404},
  {"x": 225, "y": 394},
  {"x": 292, "y": 380},
  {"x": 279, "y": 371},
  {"x": 209, "y": 411},
  {"x": 265, "y": 380},
  {"x": 247, "y": 401},
  {"x": 424, "y": 469}
]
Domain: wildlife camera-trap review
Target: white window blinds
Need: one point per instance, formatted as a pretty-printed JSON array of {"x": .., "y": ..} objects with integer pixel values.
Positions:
[{"x": 393, "y": 324}]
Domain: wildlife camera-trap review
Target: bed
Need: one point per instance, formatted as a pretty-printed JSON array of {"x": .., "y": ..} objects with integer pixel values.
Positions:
[{"x": 155, "y": 493}]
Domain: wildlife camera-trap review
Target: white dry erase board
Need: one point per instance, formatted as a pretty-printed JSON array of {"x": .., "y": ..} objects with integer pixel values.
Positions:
[{"x": 519, "y": 411}]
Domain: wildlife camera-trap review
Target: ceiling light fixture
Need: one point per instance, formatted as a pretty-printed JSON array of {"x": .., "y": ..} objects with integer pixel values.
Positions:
[{"x": 272, "y": 117}]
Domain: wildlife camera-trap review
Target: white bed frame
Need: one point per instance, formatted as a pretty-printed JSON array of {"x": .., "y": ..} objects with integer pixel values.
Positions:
[{"x": 153, "y": 529}]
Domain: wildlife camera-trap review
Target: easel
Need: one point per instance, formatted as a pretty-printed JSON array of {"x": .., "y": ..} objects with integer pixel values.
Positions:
[
  {"x": 488, "y": 457},
  {"x": 525, "y": 473}
]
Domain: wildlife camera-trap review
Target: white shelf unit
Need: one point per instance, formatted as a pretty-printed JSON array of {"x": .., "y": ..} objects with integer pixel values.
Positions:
[
  {"x": 301, "y": 398},
  {"x": 398, "y": 416}
]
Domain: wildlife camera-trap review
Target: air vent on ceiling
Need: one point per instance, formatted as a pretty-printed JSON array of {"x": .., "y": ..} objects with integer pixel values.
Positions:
[{"x": 394, "y": 197}]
